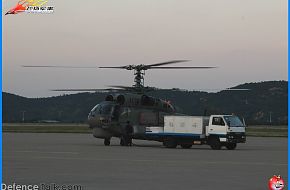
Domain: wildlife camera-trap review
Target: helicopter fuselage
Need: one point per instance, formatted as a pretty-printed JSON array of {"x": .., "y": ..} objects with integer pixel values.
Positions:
[{"x": 109, "y": 118}]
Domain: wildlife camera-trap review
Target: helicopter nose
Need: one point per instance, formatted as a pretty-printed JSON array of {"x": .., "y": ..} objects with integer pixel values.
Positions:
[
  {"x": 98, "y": 120},
  {"x": 105, "y": 121},
  {"x": 92, "y": 120}
]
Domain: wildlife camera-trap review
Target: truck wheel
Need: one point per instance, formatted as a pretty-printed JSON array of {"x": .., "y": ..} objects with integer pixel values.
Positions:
[
  {"x": 187, "y": 146},
  {"x": 170, "y": 143},
  {"x": 215, "y": 143},
  {"x": 231, "y": 146},
  {"x": 107, "y": 142}
]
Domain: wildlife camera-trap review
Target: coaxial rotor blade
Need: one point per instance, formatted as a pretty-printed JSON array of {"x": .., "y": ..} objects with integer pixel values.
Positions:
[
  {"x": 182, "y": 67},
  {"x": 136, "y": 89},
  {"x": 85, "y": 90},
  {"x": 213, "y": 89},
  {"x": 121, "y": 87},
  {"x": 130, "y": 88},
  {"x": 223, "y": 89},
  {"x": 145, "y": 67},
  {"x": 121, "y": 67},
  {"x": 237, "y": 89},
  {"x": 55, "y": 66},
  {"x": 166, "y": 63}
]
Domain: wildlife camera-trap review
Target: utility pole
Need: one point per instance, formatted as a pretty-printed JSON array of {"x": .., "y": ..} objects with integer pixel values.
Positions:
[
  {"x": 59, "y": 115},
  {"x": 23, "y": 116}
]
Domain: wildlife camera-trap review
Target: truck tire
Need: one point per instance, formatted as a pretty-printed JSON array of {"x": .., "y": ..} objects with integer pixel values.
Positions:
[
  {"x": 215, "y": 143},
  {"x": 170, "y": 143},
  {"x": 186, "y": 146},
  {"x": 107, "y": 142},
  {"x": 231, "y": 146}
]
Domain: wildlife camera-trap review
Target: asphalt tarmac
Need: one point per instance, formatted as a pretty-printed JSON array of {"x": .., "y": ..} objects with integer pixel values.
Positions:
[{"x": 80, "y": 159}]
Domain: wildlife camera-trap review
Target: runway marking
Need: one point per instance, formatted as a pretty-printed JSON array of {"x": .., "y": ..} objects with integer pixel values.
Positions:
[
  {"x": 165, "y": 161},
  {"x": 44, "y": 152}
]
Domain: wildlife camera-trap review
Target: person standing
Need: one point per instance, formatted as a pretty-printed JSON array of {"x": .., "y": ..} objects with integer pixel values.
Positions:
[{"x": 129, "y": 131}]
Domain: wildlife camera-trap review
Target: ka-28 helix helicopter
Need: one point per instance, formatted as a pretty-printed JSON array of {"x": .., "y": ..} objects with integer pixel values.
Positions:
[{"x": 129, "y": 105}]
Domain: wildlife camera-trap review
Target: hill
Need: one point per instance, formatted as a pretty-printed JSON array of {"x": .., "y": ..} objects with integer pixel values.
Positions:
[{"x": 264, "y": 102}]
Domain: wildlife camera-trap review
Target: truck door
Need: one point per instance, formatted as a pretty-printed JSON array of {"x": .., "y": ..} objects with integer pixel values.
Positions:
[{"x": 217, "y": 126}]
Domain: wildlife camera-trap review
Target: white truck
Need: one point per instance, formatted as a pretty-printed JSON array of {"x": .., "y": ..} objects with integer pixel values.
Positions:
[{"x": 215, "y": 130}]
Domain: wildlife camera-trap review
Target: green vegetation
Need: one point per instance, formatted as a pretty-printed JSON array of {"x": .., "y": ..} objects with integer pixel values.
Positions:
[
  {"x": 264, "y": 102},
  {"x": 261, "y": 131},
  {"x": 267, "y": 131},
  {"x": 45, "y": 128}
]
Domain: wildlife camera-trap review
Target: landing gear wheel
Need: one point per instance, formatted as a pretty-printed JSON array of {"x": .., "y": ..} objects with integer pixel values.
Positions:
[
  {"x": 186, "y": 146},
  {"x": 122, "y": 142},
  {"x": 107, "y": 142},
  {"x": 215, "y": 143},
  {"x": 170, "y": 143},
  {"x": 231, "y": 146}
]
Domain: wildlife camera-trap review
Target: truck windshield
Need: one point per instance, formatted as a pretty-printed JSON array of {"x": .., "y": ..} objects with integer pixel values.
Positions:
[{"x": 233, "y": 121}]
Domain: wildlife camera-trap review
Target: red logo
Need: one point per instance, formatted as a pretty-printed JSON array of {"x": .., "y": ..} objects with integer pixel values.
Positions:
[
  {"x": 30, "y": 6},
  {"x": 276, "y": 183}
]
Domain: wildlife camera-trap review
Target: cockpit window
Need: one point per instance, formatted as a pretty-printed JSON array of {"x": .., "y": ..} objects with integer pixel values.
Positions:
[
  {"x": 102, "y": 109},
  {"x": 94, "y": 109},
  {"x": 106, "y": 109}
]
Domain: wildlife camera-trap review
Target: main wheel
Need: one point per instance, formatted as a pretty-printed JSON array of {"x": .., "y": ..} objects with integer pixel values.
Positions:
[
  {"x": 215, "y": 143},
  {"x": 170, "y": 143},
  {"x": 231, "y": 146},
  {"x": 122, "y": 141},
  {"x": 187, "y": 146},
  {"x": 107, "y": 142}
]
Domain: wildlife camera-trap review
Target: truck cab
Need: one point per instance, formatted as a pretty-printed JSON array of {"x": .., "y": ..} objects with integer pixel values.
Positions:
[{"x": 227, "y": 130}]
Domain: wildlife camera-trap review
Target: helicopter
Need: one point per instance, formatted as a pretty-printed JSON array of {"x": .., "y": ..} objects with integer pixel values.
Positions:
[
  {"x": 131, "y": 105},
  {"x": 108, "y": 118}
]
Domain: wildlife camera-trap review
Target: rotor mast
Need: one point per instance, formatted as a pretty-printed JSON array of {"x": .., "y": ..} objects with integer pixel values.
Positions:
[{"x": 139, "y": 78}]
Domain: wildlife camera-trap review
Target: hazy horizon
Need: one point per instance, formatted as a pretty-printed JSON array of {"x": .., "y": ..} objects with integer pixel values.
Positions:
[{"x": 246, "y": 40}]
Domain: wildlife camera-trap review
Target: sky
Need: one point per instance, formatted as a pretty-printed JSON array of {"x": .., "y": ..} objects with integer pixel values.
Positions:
[{"x": 245, "y": 39}]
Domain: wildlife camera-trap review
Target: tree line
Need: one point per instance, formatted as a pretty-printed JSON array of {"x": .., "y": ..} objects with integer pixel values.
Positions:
[{"x": 265, "y": 103}]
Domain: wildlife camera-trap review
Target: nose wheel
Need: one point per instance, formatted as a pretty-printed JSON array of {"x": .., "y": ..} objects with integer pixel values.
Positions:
[
  {"x": 107, "y": 142},
  {"x": 122, "y": 141}
]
